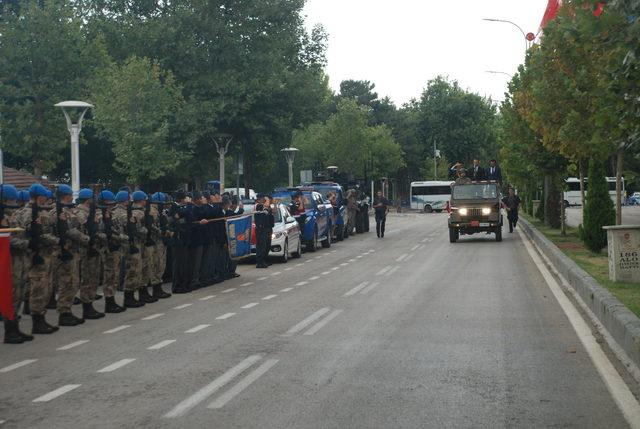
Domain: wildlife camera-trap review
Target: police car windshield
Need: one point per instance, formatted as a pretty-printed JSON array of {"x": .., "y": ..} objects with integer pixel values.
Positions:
[{"x": 475, "y": 191}]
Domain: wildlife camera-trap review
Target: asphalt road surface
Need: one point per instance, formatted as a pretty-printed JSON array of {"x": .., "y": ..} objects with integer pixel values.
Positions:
[
  {"x": 630, "y": 215},
  {"x": 405, "y": 332}
]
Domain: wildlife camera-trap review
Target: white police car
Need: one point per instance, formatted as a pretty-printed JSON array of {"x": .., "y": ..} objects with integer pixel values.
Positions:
[{"x": 285, "y": 239}]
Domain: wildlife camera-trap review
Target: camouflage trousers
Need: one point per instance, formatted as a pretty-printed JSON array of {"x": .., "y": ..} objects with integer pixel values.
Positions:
[
  {"x": 20, "y": 263},
  {"x": 133, "y": 272},
  {"x": 148, "y": 264},
  {"x": 159, "y": 263},
  {"x": 89, "y": 277},
  {"x": 66, "y": 275},
  {"x": 41, "y": 283},
  {"x": 351, "y": 222},
  {"x": 112, "y": 262}
]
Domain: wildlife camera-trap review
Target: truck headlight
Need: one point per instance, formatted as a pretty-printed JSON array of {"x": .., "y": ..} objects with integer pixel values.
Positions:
[
  {"x": 276, "y": 235},
  {"x": 486, "y": 210},
  {"x": 463, "y": 212}
]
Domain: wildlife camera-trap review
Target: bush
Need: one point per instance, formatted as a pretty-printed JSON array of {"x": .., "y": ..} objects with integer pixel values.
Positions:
[{"x": 598, "y": 209}]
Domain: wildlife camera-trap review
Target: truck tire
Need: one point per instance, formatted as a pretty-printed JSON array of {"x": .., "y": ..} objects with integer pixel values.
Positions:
[{"x": 454, "y": 235}]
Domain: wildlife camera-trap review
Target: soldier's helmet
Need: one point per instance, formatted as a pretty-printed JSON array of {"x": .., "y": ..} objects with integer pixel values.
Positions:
[
  {"x": 139, "y": 196},
  {"x": 8, "y": 192},
  {"x": 85, "y": 194}
]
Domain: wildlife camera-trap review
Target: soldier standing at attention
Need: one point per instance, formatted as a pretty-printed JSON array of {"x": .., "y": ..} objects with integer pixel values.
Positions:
[
  {"x": 131, "y": 251},
  {"x": 116, "y": 240},
  {"x": 352, "y": 210},
  {"x": 161, "y": 222},
  {"x": 135, "y": 278},
  {"x": 197, "y": 239},
  {"x": 381, "y": 207},
  {"x": 19, "y": 262},
  {"x": 264, "y": 228},
  {"x": 148, "y": 249},
  {"x": 180, "y": 220}
]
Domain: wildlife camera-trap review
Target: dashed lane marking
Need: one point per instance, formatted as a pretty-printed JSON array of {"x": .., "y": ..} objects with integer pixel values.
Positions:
[
  {"x": 161, "y": 344},
  {"x": 301, "y": 283},
  {"x": 196, "y": 329},
  {"x": 247, "y": 284},
  {"x": 207, "y": 298},
  {"x": 268, "y": 297},
  {"x": 415, "y": 247},
  {"x": 253, "y": 304},
  {"x": 401, "y": 257},
  {"x": 314, "y": 278},
  {"x": 315, "y": 328},
  {"x": 286, "y": 289},
  {"x": 277, "y": 273},
  {"x": 356, "y": 289},
  {"x": 153, "y": 316},
  {"x": 335, "y": 268},
  {"x": 119, "y": 328},
  {"x": 263, "y": 278},
  {"x": 288, "y": 269},
  {"x": 18, "y": 365},
  {"x": 392, "y": 270},
  {"x": 420, "y": 247},
  {"x": 242, "y": 384},
  {"x": 212, "y": 387},
  {"x": 299, "y": 265},
  {"x": 72, "y": 345},
  {"x": 324, "y": 273},
  {"x": 409, "y": 257},
  {"x": 384, "y": 270},
  {"x": 359, "y": 256},
  {"x": 231, "y": 289},
  {"x": 352, "y": 260},
  {"x": 369, "y": 288},
  {"x": 306, "y": 322},
  {"x": 344, "y": 264},
  {"x": 225, "y": 316},
  {"x": 58, "y": 392},
  {"x": 180, "y": 307},
  {"x": 116, "y": 365}
]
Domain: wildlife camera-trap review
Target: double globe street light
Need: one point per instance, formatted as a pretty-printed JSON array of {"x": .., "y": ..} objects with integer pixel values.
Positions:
[{"x": 80, "y": 108}]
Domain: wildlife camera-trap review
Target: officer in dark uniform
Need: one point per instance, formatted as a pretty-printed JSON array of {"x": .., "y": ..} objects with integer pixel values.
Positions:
[
  {"x": 230, "y": 265},
  {"x": 264, "y": 220},
  {"x": 180, "y": 221},
  {"x": 197, "y": 239}
]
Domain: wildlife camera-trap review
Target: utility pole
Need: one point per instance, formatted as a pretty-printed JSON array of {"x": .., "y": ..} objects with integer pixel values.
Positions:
[{"x": 435, "y": 161}]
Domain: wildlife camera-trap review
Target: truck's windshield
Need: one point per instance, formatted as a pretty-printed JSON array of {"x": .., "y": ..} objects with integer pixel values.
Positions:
[{"x": 475, "y": 191}]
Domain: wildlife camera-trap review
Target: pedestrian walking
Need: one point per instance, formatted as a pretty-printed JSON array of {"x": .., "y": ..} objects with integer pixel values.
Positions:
[
  {"x": 512, "y": 203},
  {"x": 264, "y": 221},
  {"x": 381, "y": 207}
]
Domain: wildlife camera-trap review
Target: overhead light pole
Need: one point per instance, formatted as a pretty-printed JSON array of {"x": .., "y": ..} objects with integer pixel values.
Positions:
[
  {"x": 289, "y": 154},
  {"x": 80, "y": 108},
  {"x": 222, "y": 141},
  {"x": 528, "y": 37},
  {"x": 498, "y": 72}
]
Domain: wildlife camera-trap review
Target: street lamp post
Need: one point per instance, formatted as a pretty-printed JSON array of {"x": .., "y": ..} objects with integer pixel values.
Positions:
[
  {"x": 332, "y": 171},
  {"x": 222, "y": 146},
  {"x": 289, "y": 154},
  {"x": 528, "y": 37},
  {"x": 74, "y": 129},
  {"x": 498, "y": 72}
]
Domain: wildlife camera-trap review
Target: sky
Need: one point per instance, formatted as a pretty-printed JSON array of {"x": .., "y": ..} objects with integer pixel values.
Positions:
[{"x": 399, "y": 45}]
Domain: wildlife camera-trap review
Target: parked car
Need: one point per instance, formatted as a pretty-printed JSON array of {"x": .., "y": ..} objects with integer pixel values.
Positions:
[
  {"x": 318, "y": 212},
  {"x": 634, "y": 199},
  {"x": 285, "y": 240},
  {"x": 340, "y": 216}
]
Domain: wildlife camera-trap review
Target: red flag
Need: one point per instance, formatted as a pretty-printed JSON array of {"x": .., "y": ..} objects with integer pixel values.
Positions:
[
  {"x": 552, "y": 10},
  {"x": 6, "y": 282},
  {"x": 599, "y": 9}
]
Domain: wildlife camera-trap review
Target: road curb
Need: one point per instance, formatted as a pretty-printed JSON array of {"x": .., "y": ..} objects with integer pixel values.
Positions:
[{"x": 618, "y": 320}]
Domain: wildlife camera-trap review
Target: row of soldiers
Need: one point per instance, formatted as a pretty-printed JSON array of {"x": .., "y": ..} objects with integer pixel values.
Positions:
[{"x": 114, "y": 240}]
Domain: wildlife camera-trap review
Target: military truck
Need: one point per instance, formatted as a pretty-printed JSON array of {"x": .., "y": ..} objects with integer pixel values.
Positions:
[{"x": 475, "y": 208}]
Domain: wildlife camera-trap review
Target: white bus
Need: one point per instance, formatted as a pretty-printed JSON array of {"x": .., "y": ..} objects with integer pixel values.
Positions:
[
  {"x": 572, "y": 194},
  {"x": 430, "y": 196}
]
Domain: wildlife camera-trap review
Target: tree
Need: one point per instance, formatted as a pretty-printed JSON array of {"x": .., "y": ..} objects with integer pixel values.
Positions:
[
  {"x": 598, "y": 210},
  {"x": 136, "y": 105}
]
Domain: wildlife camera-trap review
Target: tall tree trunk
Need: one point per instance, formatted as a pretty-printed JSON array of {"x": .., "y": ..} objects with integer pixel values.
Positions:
[
  {"x": 545, "y": 198},
  {"x": 619, "y": 165},
  {"x": 581, "y": 174},
  {"x": 563, "y": 223}
]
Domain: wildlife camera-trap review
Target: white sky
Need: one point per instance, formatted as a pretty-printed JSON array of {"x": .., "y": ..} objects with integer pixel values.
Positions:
[{"x": 400, "y": 44}]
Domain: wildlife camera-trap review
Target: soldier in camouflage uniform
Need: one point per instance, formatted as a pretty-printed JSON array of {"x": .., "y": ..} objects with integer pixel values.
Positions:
[
  {"x": 352, "y": 210},
  {"x": 132, "y": 257},
  {"x": 90, "y": 263},
  {"x": 138, "y": 270},
  {"x": 37, "y": 220},
  {"x": 19, "y": 263},
  {"x": 66, "y": 269},
  {"x": 159, "y": 251},
  {"x": 115, "y": 243}
]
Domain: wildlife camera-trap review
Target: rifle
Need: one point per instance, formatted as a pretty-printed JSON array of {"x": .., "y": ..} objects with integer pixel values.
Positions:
[
  {"x": 131, "y": 229},
  {"x": 61, "y": 228},
  {"x": 148, "y": 223},
  {"x": 92, "y": 228},
  {"x": 35, "y": 235},
  {"x": 108, "y": 229}
]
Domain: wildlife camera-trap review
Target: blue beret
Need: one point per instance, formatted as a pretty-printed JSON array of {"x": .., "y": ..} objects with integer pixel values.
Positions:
[
  {"x": 139, "y": 196},
  {"x": 37, "y": 190},
  {"x": 9, "y": 192},
  {"x": 122, "y": 196},
  {"x": 49, "y": 194},
  {"x": 158, "y": 197},
  {"x": 24, "y": 196},
  {"x": 65, "y": 190},
  {"x": 106, "y": 195},
  {"x": 85, "y": 194}
]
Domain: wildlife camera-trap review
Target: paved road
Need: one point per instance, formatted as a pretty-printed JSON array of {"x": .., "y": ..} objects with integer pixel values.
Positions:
[
  {"x": 410, "y": 331},
  {"x": 630, "y": 215}
]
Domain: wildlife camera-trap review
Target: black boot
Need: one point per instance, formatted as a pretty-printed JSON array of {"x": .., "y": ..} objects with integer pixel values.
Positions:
[
  {"x": 144, "y": 295},
  {"x": 11, "y": 333},
  {"x": 40, "y": 326},
  {"x": 159, "y": 293},
  {"x": 52, "y": 304},
  {"x": 130, "y": 301},
  {"x": 98, "y": 297},
  {"x": 110, "y": 305},
  {"x": 69, "y": 319},
  {"x": 88, "y": 312}
]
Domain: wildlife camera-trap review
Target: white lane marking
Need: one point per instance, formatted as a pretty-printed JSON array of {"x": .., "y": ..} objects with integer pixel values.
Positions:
[
  {"x": 356, "y": 289},
  {"x": 225, "y": 316},
  {"x": 424, "y": 240},
  {"x": 315, "y": 328},
  {"x": 268, "y": 297},
  {"x": 359, "y": 256},
  {"x": 247, "y": 284},
  {"x": 196, "y": 329},
  {"x": 253, "y": 304},
  {"x": 119, "y": 328},
  {"x": 288, "y": 269},
  {"x": 318, "y": 257},
  {"x": 306, "y": 322},
  {"x": 392, "y": 270},
  {"x": 263, "y": 278},
  {"x": 116, "y": 365},
  {"x": 618, "y": 389},
  {"x": 372, "y": 250},
  {"x": 344, "y": 264},
  {"x": 153, "y": 316},
  {"x": 231, "y": 289},
  {"x": 286, "y": 289},
  {"x": 18, "y": 365},
  {"x": 277, "y": 273},
  {"x": 401, "y": 257},
  {"x": 369, "y": 288},
  {"x": 333, "y": 251},
  {"x": 335, "y": 268},
  {"x": 324, "y": 273},
  {"x": 212, "y": 387},
  {"x": 420, "y": 247},
  {"x": 408, "y": 258},
  {"x": 352, "y": 260},
  {"x": 415, "y": 247},
  {"x": 301, "y": 283},
  {"x": 227, "y": 396},
  {"x": 299, "y": 265},
  {"x": 72, "y": 345},
  {"x": 58, "y": 392},
  {"x": 206, "y": 298},
  {"x": 161, "y": 344},
  {"x": 314, "y": 278},
  {"x": 384, "y": 270},
  {"x": 180, "y": 307}
]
